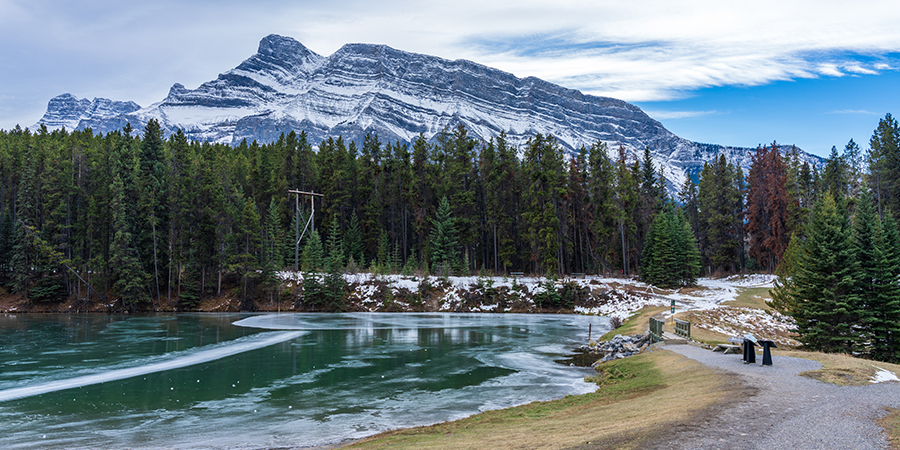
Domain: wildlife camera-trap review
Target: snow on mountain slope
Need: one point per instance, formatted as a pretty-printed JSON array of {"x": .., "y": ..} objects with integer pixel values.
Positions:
[
  {"x": 366, "y": 88},
  {"x": 73, "y": 113}
]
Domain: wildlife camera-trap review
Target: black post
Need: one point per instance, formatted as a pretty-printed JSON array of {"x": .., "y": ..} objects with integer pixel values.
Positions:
[
  {"x": 749, "y": 352},
  {"x": 767, "y": 352}
]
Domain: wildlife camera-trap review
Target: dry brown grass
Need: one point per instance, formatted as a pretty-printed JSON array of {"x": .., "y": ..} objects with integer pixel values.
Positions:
[
  {"x": 840, "y": 369},
  {"x": 698, "y": 333},
  {"x": 642, "y": 398},
  {"x": 752, "y": 298},
  {"x": 638, "y": 323},
  {"x": 891, "y": 424}
]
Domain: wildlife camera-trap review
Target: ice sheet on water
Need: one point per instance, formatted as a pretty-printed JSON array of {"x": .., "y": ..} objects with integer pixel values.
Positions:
[{"x": 174, "y": 360}]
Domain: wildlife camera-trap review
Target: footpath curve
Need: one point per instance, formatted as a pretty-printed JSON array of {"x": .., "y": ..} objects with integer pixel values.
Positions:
[{"x": 787, "y": 411}]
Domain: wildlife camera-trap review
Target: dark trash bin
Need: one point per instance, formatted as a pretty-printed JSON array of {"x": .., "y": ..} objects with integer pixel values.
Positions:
[
  {"x": 767, "y": 352},
  {"x": 749, "y": 351}
]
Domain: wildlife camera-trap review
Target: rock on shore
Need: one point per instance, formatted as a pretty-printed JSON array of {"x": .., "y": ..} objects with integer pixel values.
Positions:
[{"x": 619, "y": 347}]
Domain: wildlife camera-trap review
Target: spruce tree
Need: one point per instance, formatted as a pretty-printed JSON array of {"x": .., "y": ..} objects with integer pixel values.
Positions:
[
  {"x": 274, "y": 253},
  {"x": 335, "y": 246},
  {"x": 868, "y": 249},
  {"x": 312, "y": 259},
  {"x": 353, "y": 241},
  {"x": 687, "y": 253},
  {"x": 670, "y": 258},
  {"x": 884, "y": 164},
  {"x": 782, "y": 297},
  {"x": 883, "y": 318},
  {"x": 824, "y": 285},
  {"x": 130, "y": 281},
  {"x": 153, "y": 208},
  {"x": 333, "y": 288},
  {"x": 658, "y": 256},
  {"x": 602, "y": 192},
  {"x": 383, "y": 257},
  {"x": 875, "y": 245},
  {"x": 443, "y": 240}
]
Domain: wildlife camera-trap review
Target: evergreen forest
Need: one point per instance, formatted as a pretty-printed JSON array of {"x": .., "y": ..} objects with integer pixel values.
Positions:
[{"x": 134, "y": 217}]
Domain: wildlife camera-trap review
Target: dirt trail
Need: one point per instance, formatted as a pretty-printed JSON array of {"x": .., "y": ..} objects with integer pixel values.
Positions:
[{"x": 787, "y": 411}]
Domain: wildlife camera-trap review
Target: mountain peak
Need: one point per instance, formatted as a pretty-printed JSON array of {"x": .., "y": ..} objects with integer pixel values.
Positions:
[
  {"x": 283, "y": 47},
  {"x": 398, "y": 95},
  {"x": 67, "y": 110}
]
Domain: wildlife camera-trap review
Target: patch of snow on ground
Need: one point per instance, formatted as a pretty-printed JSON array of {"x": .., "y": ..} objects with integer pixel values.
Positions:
[
  {"x": 624, "y": 307},
  {"x": 739, "y": 321},
  {"x": 883, "y": 375},
  {"x": 753, "y": 280}
]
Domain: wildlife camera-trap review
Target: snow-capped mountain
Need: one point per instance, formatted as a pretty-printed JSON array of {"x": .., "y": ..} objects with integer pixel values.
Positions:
[
  {"x": 72, "y": 113},
  {"x": 365, "y": 88}
]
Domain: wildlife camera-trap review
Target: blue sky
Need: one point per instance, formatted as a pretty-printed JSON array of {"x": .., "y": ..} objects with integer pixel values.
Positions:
[
  {"x": 814, "y": 114},
  {"x": 810, "y": 73}
]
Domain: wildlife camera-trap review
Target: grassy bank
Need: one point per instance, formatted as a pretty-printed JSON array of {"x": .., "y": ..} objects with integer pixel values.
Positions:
[
  {"x": 638, "y": 399},
  {"x": 638, "y": 323}
]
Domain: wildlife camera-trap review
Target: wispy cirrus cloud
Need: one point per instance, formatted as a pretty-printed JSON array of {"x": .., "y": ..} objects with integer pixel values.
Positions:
[
  {"x": 664, "y": 115},
  {"x": 855, "y": 111},
  {"x": 636, "y": 51}
]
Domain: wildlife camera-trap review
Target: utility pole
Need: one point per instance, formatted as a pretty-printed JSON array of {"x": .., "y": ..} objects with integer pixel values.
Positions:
[{"x": 309, "y": 223}]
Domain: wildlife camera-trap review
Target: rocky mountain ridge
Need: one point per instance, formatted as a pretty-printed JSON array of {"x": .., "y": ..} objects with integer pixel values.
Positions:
[{"x": 367, "y": 88}]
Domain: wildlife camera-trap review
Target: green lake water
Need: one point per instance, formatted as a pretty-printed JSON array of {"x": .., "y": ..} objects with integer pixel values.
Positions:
[{"x": 276, "y": 380}]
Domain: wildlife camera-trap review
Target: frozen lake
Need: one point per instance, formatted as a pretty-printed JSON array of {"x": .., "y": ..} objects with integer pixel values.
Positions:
[{"x": 278, "y": 380}]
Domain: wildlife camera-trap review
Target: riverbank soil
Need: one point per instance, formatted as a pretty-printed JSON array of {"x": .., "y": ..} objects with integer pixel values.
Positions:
[{"x": 639, "y": 401}]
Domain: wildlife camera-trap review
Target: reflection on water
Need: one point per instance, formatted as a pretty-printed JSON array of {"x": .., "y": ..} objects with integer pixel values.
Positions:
[{"x": 236, "y": 380}]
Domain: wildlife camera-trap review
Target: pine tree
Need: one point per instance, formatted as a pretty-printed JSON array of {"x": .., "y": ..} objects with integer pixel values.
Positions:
[
  {"x": 884, "y": 164},
  {"x": 833, "y": 177},
  {"x": 384, "y": 252},
  {"x": 130, "y": 279},
  {"x": 720, "y": 211},
  {"x": 688, "y": 198},
  {"x": 274, "y": 237},
  {"x": 879, "y": 267},
  {"x": 353, "y": 241},
  {"x": 499, "y": 170},
  {"x": 23, "y": 254},
  {"x": 626, "y": 200},
  {"x": 443, "y": 240},
  {"x": 824, "y": 285},
  {"x": 886, "y": 315},
  {"x": 542, "y": 212},
  {"x": 153, "y": 210},
  {"x": 687, "y": 253},
  {"x": 333, "y": 288},
  {"x": 671, "y": 258},
  {"x": 767, "y": 207},
  {"x": 601, "y": 191},
  {"x": 335, "y": 246},
  {"x": 659, "y": 254},
  {"x": 313, "y": 259}
]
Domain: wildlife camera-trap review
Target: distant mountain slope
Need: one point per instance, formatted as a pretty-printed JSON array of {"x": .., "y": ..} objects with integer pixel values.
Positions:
[{"x": 365, "y": 88}]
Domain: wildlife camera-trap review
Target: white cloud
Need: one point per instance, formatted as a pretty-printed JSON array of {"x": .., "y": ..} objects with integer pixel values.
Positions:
[
  {"x": 854, "y": 111},
  {"x": 636, "y": 51},
  {"x": 663, "y": 115},
  {"x": 857, "y": 69},
  {"x": 830, "y": 69}
]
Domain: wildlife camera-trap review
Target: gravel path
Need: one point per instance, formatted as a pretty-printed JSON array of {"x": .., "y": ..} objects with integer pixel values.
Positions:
[{"x": 788, "y": 411}]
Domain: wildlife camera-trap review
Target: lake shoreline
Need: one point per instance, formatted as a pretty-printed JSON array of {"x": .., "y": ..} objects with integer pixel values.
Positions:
[{"x": 395, "y": 293}]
